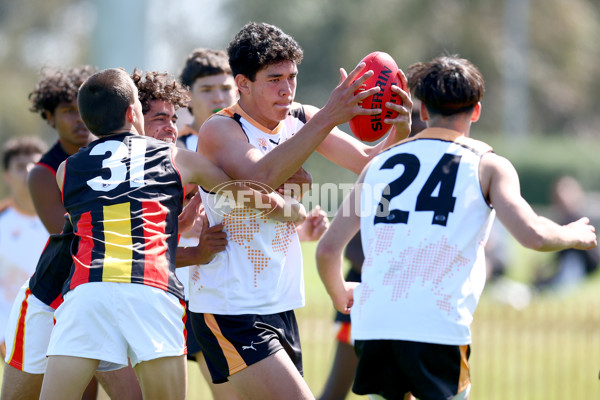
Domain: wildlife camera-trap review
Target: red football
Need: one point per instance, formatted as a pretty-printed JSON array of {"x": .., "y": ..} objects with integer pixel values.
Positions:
[{"x": 369, "y": 128}]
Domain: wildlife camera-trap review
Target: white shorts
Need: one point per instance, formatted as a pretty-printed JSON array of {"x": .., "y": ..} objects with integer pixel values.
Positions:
[
  {"x": 110, "y": 321},
  {"x": 28, "y": 332}
]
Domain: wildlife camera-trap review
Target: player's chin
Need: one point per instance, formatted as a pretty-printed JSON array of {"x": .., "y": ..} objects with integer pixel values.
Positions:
[{"x": 282, "y": 109}]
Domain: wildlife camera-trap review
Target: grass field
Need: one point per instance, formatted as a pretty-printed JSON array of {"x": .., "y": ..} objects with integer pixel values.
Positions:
[{"x": 548, "y": 350}]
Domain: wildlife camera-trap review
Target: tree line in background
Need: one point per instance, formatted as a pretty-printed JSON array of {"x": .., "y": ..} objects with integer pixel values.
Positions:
[{"x": 563, "y": 58}]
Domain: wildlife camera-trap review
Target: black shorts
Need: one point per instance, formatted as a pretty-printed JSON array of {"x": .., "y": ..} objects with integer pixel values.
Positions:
[
  {"x": 193, "y": 346},
  {"x": 231, "y": 343},
  {"x": 392, "y": 368}
]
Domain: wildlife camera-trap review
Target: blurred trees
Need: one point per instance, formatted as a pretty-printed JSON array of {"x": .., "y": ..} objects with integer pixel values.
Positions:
[{"x": 563, "y": 59}]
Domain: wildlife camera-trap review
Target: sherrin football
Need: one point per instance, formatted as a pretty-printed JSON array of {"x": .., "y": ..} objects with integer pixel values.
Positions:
[{"x": 369, "y": 128}]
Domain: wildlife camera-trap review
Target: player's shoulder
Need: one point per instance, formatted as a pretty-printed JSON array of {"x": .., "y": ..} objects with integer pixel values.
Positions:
[
  {"x": 41, "y": 173},
  {"x": 222, "y": 129}
]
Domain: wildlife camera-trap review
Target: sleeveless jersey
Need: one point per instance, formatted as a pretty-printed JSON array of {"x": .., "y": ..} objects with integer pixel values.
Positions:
[
  {"x": 424, "y": 225},
  {"x": 53, "y": 158},
  {"x": 53, "y": 266},
  {"x": 189, "y": 137},
  {"x": 260, "y": 272},
  {"x": 22, "y": 239},
  {"x": 124, "y": 195}
]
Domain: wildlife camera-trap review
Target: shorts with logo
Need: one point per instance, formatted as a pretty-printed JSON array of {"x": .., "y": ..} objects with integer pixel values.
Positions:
[
  {"x": 110, "y": 322},
  {"x": 230, "y": 343},
  {"x": 392, "y": 368},
  {"x": 28, "y": 332}
]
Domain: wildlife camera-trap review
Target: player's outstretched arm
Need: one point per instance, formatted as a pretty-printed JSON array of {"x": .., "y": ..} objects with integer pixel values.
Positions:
[
  {"x": 195, "y": 168},
  {"x": 223, "y": 141},
  {"x": 500, "y": 183},
  {"x": 331, "y": 248}
]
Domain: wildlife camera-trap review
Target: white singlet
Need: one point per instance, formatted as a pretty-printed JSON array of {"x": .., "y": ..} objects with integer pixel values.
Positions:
[
  {"x": 22, "y": 239},
  {"x": 424, "y": 267},
  {"x": 260, "y": 272}
]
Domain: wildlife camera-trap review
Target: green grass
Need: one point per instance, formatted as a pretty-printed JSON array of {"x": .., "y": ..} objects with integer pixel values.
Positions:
[{"x": 549, "y": 350}]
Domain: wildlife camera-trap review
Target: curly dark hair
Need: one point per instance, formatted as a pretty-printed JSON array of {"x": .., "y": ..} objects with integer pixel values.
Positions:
[
  {"x": 58, "y": 85},
  {"x": 257, "y": 45},
  {"x": 447, "y": 85},
  {"x": 204, "y": 62},
  {"x": 154, "y": 85}
]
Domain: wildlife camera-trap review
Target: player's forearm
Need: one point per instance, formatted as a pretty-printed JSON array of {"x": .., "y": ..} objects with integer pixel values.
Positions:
[
  {"x": 285, "y": 209},
  {"x": 187, "y": 256},
  {"x": 550, "y": 236},
  {"x": 280, "y": 164},
  {"x": 329, "y": 266}
]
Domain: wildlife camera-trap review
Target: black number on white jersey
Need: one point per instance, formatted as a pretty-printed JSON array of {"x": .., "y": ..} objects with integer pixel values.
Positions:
[{"x": 442, "y": 176}]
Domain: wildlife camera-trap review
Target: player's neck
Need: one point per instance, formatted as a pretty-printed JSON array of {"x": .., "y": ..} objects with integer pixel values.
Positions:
[{"x": 455, "y": 124}]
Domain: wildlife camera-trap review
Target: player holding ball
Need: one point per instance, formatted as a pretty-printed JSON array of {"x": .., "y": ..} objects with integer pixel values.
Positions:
[
  {"x": 423, "y": 237},
  {"x": 243, "y": 301}
]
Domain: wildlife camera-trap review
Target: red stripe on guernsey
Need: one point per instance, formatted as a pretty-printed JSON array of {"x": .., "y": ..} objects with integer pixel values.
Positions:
[
  {"x": 57, "y": 301},
  {"x": 178, "y": 173},
  {"x": 184, "y": 186},
  {"x": 41, "y": 164},
  {"x": 17, "y": 356},
  {"x": 184, "y": 319},
  {"x": 62, "y": 186},
  {"x": 83, "y": 258},
  {"x": 156, "y": 265}
]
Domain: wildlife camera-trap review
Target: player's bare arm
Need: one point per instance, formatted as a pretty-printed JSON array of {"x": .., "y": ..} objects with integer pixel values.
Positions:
[
  {"x": 46, "y": 198},
  {"x": 331, "y": 249},
  {"x": 500, "y": 185},
  {"x": 223, "y": 141},
  {"x": 188, "y": 215},
  {"x": 196, "y": 168},
  {"x": 315, "y": 226},
  {"x": 352, "y": 154},
  {"x": 212, "y": 240}
]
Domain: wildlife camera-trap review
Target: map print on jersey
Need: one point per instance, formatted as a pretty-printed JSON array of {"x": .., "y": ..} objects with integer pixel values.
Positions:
[
  {"x": 433, "y": 262},
  {"x": 242, "y": 223}
]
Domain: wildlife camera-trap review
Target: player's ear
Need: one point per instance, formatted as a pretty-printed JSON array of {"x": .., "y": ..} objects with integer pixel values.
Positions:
[
  {"x": 130, "y": 114},
  {"x": 242, "y": 83},
  {"x": 476, "y": 112},
  {"x": 50, "y": 118}
]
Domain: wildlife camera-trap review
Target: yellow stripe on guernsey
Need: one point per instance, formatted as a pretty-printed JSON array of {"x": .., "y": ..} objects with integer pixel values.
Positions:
[{"x": 118, "y": 247}]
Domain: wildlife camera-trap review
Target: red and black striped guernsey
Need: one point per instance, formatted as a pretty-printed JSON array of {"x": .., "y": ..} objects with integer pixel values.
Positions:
[{"x": 124, "y": 195}]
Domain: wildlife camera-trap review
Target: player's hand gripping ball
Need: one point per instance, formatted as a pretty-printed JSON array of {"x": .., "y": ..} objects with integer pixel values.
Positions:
[{"x": 369, "y": 128}]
